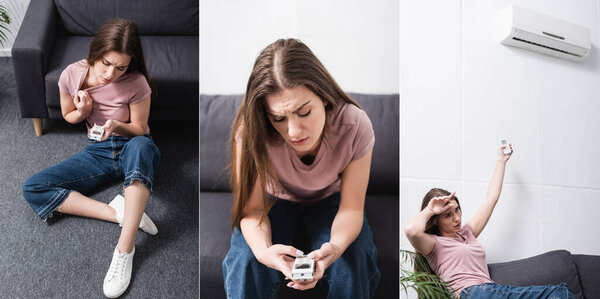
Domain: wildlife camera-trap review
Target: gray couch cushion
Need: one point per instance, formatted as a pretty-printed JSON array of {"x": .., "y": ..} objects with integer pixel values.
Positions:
[
  {"x": 216, "y": 117},
  {"x": 152, "y": 17},
  {"x": 382, "y": 212},
  {"x": 588, "y": 268},
  {"x": 551, "y": 267}
]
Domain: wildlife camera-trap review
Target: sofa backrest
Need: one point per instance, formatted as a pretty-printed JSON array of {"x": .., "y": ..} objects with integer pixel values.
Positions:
[
  {"x": 551, "y": 267},
  {"x": 216, "y": 117},
  {"x": 152, "y": 17}
]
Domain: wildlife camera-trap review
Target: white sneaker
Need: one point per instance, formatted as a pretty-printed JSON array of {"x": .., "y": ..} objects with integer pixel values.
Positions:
[
  {"x": 118, "y": 276},
  {"x": 146, "y": 224}
]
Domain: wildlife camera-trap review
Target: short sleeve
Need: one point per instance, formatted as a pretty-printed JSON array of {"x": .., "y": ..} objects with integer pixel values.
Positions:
[
  {"x": 364, "y": 139},
  {"x": 65, "y": 79},
  {"x": 467, "y": 231},
  {"x": 140, "y": 88}
]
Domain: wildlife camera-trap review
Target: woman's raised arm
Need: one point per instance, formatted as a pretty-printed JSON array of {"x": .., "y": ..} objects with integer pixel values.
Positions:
[
  {"x": 483, "y": 214},
  {"x": 415, "y": 230}
]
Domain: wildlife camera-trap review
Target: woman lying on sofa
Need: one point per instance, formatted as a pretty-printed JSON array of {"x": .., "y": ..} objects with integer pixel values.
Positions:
[
  {"x": 110, "y": 88},
  {"x": 453, "y": 251},
  {"x": 301, "y": 154}
]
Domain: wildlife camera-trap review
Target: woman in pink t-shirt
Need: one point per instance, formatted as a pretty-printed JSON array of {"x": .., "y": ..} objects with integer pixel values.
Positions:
[
  {"x": 110, "y": 89},
  {"x": 453, "y": 251},
  {"x": 301, "y": 153}
]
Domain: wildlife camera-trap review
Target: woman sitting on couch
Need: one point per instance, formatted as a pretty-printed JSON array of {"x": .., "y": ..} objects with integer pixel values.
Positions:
[
  {"x": 301, "y": 155},
  {"x": 453, "y": 251}
]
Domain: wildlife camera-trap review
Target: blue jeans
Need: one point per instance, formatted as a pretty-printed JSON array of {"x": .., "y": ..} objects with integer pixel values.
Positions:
[
  {"x": 496, "y": 291},
  {"x": 100, "y": 163},
  {"x": 353, "y": 275}
]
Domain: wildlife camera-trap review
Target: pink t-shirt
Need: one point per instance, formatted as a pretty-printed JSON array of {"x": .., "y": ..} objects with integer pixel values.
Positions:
[
  {"x": 109, "y": 101},
  {"x": 348, "y": 136},
  {"x": 459, "y": 261}
]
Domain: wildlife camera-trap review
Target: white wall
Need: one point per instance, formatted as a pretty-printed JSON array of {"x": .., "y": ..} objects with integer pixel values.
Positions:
[
  {"x": 16, "y": 11},
  {"x": 461, "y": 91},
  {"x": 356, "y": 40}
]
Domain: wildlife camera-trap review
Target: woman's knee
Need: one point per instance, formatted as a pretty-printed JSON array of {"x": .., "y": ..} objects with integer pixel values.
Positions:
[
  {"x": 561, "y": 291},
  {"x": 239, "y": 255},
  {"x": 142, "y": 144},
  {"x": 141, "y": 152},
  {"x": 356, "y": 260},
  {"x": 32, "y": 185},
  {"x": 245, "y": 276},
  {"x": 356, "y": 268}
]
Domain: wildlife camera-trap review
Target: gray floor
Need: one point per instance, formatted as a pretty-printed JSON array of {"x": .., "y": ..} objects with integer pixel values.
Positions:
[{"x": 68, "y": 257}]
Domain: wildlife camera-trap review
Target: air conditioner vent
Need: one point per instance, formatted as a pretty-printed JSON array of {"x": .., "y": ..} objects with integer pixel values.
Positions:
[{"x": 544, "y": 46}]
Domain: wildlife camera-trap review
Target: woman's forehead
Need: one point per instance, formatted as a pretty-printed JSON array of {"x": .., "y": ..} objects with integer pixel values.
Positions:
[
  {"x": 453, "y": 203},
  {"x": 288, "y": 100},
  {"x": 117, "y": 58}
]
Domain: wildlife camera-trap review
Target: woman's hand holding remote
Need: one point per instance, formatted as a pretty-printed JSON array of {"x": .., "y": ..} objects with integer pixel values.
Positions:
[
  {"x": 324, "y": 257},
  {"x": 277, "y": 257},
  {"x": 110, "y": 126},
  {"x": 502, "y": 157}
]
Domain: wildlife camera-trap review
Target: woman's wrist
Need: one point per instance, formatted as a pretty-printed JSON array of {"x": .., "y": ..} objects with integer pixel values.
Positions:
[
  {"x": 337, "y": 249},
  {"x": 259, "y": 255},
  {"x": 428, "y": 212}
]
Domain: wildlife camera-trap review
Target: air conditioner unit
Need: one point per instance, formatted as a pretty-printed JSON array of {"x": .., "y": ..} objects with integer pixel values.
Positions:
[{"x": 527, "y": 29}]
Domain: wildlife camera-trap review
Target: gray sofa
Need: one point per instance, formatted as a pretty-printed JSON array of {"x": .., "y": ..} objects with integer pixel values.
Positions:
[
  {"x": 580, "y": 272},
  {"x": 381, "y": 207},
  {"x": 55, "y": 33}
]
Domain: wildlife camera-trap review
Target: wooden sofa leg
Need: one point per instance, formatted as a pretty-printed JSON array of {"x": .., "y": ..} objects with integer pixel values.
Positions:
[{"x": 37, "y": 125}]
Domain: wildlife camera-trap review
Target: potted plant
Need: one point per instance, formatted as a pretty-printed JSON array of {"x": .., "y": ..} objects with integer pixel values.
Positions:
[
  {"x": 4, "y": 22},
  {"x": 418, "y": 278}
]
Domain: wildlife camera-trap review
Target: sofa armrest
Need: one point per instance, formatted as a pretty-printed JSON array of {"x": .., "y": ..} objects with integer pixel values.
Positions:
[
  {"x": 31, "y": 51},
  {"x": 588, "y": 269}
]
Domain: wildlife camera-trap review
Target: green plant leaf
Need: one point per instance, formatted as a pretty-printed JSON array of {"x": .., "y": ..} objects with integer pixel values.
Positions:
[
  {"x": 4, "y": 19},
  {"x": 427, "y": 285}
]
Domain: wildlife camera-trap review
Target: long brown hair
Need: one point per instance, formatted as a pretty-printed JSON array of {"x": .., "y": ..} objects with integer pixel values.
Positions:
[
  {"x": 284, "y": 64},
  {"x": 121, "y": 36},
  {"x": 431, "y": 226}
]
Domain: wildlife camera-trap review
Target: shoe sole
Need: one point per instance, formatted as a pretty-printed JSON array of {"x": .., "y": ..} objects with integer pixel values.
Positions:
[{"x": 119, "y": 295}]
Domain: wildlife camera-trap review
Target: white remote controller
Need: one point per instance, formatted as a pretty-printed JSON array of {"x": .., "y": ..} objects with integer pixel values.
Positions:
[
  {"x": 304, "y": 268},
  {"x": 96, "y": 132},
  {"x": 507, "y": 150}
]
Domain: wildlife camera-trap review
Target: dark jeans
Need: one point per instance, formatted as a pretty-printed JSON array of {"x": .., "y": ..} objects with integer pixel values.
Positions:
[
  {"x": 496, "y": 291},
  {"x": 100, "y": 163},
  {"x": 353, "y": 275}
]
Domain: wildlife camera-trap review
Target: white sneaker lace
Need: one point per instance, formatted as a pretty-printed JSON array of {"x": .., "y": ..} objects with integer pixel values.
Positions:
[{"x": 117, "y": 266}]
